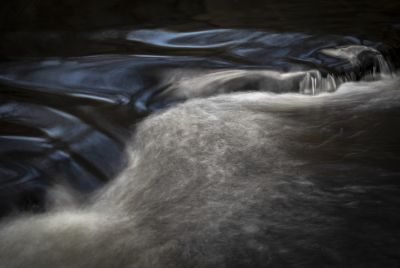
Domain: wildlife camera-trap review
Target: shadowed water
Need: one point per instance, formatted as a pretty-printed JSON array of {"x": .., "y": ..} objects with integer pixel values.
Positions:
[
  {"x": 74, "y": 90},
  {"x": 68, "y": 118}
]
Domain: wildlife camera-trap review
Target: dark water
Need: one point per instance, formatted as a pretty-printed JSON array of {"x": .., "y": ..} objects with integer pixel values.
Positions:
[{"x": 75, "y": 78}]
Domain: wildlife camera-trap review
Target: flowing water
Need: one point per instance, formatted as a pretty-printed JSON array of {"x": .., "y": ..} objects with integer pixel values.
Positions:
[{"x": 72, "y": 91}]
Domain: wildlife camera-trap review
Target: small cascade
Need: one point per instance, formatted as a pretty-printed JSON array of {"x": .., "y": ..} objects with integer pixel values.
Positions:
[
  {"x": 315, "y": 83},
  {"x": 384, "y": 66}
]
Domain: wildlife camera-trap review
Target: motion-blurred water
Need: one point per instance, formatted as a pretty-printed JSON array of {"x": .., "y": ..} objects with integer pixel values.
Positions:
[{"x": 73, "y": 89}]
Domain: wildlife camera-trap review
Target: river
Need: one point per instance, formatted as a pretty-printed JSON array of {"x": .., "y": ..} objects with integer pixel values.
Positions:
[{"x": 75, "y": 81}]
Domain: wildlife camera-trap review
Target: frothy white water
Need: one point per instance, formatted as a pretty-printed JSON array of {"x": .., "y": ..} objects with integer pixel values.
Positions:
[{"x": 225, "y": 180}]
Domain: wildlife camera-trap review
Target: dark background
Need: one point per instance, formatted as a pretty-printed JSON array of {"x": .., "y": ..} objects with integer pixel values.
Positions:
[{"x": 337, "y": 16}]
